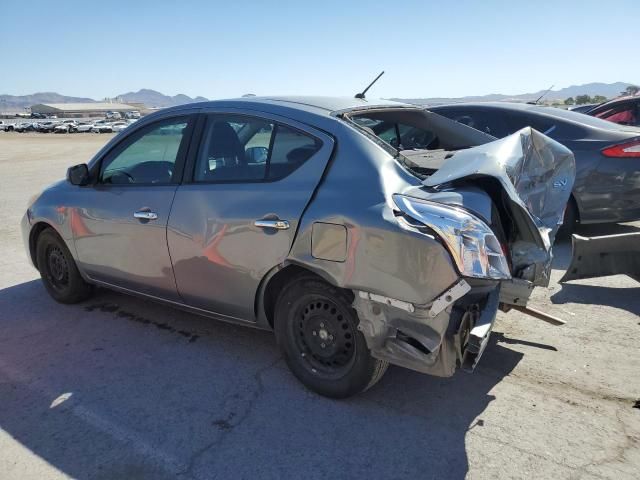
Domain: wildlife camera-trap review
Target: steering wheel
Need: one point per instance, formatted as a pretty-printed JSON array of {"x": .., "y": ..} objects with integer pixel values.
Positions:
[{"x": 119, "y": 174}]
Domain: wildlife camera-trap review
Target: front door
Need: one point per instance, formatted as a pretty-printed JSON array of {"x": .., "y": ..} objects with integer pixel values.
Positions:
[
  {"x": 236, "y": 216},
  {"x": 119, "y": 223}
]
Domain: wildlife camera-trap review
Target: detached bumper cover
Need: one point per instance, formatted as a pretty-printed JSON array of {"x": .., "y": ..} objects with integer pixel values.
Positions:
[{"x": 603, "y": 256}]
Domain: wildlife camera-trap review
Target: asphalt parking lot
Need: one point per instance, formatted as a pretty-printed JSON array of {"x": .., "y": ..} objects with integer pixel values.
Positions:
[{"x": 120, "y": 387}]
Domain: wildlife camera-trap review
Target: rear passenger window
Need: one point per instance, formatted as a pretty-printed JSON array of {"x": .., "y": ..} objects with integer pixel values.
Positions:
[
  {"x": 248, "y": 149},
  {"x": 290, "y": 150}
]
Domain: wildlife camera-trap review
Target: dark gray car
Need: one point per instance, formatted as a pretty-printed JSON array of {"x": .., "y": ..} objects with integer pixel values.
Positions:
[
  {"x": 293, "y": 214},
  {"x": 607, "y": 187}
]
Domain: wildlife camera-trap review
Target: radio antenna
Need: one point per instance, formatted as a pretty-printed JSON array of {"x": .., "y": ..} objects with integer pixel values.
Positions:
[{"x": 361, "y": 94}]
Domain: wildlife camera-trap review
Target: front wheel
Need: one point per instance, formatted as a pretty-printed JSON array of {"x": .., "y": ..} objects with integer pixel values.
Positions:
[
  {"x": 316, "y": 329},
  {"x": 58, "y": 270}
]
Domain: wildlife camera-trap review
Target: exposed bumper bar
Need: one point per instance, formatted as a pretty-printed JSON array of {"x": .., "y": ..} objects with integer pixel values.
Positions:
[
  {"x": 479, "y": 334},
  {"x": 434, "y": 341}
]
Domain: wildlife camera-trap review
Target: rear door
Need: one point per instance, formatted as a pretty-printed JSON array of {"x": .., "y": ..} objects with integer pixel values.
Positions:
[{"x": 236, "y": 215}]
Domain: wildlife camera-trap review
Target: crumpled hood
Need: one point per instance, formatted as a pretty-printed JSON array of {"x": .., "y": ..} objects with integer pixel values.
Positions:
[{"x": 537, "y": 173}]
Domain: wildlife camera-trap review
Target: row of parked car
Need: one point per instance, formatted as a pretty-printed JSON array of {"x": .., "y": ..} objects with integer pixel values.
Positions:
[
  {"x": 68, "y": 126},
  {"x": 110, "y": 115}
]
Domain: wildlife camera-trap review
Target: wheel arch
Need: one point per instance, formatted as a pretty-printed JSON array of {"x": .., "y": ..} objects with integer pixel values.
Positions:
[
  {"x": 272, "y": 285},
  {"x": 34, "y": 235}
]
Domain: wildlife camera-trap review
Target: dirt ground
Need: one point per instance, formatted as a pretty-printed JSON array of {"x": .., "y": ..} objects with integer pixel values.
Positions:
[{"x": 119, "y": 387}]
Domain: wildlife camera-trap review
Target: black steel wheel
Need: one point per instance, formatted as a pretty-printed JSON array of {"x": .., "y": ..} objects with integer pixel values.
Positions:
[
  {"x": 324, "y": 337},
  {"x": 58, "y": 270},
  {"x": 316, "y": 328}
]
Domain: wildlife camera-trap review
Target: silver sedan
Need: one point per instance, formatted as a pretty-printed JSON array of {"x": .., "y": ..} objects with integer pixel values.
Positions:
[{"x": 363, "y": 233}]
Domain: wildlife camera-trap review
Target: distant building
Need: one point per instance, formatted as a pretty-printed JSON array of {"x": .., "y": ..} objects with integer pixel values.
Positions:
[{"x": 69, "y": 110}]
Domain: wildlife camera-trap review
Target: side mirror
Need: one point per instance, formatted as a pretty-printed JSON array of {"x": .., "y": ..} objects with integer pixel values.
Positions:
[
  {"x": 256, "y": 154},
  {"x": 78, "y": 174}
]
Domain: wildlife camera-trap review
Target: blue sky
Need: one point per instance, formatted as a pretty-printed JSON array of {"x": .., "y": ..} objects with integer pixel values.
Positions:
[{"x": 225, "y": 49}]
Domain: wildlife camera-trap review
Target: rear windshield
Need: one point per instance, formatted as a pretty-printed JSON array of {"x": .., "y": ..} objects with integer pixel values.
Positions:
[
  {"x": 401, "y": 136},
  {"x": 419, "y": 139}
]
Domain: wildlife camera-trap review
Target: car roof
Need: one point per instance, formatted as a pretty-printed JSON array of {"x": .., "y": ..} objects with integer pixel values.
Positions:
[
  {"x": 502, "y": 105},
  {"x": 314, "y": 104}
]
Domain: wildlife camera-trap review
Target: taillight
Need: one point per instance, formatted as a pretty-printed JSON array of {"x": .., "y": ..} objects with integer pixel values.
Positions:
[{"x": 628, "y": 149}]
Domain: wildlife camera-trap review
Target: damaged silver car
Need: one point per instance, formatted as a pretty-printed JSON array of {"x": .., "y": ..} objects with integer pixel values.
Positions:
[{"x": 362, "y": 232}]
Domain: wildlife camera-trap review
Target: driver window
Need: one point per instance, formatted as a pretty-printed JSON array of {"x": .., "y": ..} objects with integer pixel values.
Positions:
[{"x": 148, "y": 160}]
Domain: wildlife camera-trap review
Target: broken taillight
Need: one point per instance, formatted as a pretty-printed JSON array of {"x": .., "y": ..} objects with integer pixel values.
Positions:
[{"x": 623, "y": 150}]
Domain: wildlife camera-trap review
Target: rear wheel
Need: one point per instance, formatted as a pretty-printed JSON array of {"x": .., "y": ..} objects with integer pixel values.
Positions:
[
  {"x": 316, "y": 328},
  {"x": 58, "y": 270}
]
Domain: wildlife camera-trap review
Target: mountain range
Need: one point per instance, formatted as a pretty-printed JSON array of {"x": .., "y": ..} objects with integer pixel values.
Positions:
[
  {"x": 155, "y": 99},
  {"x": 17, "y": 103},
  {"x": 150, "y": 98}
]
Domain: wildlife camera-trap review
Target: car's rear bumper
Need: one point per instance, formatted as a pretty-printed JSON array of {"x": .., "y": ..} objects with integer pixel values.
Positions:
[{"x": 449, "y": 333}]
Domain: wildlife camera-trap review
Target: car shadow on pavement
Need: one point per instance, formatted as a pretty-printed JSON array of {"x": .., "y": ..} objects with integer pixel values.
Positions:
[
  {"x": 119, "y": 387},
  {"x": 624, "y": 298}
]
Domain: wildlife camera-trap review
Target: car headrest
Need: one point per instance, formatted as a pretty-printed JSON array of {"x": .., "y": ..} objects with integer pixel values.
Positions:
[{"x": 224, "y": 142}]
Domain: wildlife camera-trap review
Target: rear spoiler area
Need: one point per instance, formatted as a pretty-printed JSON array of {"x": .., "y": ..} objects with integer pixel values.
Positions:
[{"x": 603, "y": 256}]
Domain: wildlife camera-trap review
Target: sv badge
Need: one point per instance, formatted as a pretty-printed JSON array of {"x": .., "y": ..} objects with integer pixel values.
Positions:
[{"x": 562, "y": 183}]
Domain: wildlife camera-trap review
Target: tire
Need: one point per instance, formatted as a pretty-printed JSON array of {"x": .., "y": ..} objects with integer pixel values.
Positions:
[
  {"x": 58, "y": 270},
  {"x": 570, "y": 220},
  {"x": 316, "y": 329}
]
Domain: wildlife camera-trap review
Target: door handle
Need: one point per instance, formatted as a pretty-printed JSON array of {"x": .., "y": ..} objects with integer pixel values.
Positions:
[
  {"x": 145, "y": 215},
  {"x": 277, "y": 224}
]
